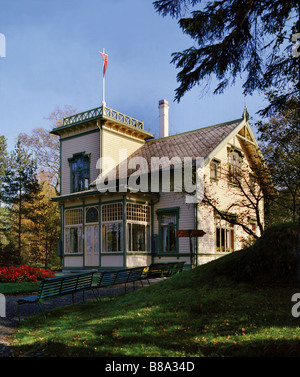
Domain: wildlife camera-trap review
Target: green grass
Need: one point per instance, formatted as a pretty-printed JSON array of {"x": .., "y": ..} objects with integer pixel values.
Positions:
[
  {"x": 207, "y": 311},
  {"x": 18, "y": 288}
]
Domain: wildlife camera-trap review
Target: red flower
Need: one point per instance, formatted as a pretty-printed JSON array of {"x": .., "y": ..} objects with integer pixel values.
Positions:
[{"x": 23, "y": 273}]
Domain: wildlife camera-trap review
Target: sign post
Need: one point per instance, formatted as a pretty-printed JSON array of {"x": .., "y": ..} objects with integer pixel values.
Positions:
[{"x": 191, "y": 233}]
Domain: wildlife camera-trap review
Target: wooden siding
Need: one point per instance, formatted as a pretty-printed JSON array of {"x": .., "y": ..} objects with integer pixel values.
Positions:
[
  {"x": 226, "y": 194},
  {"x": 88, "y": 143},
  {"x": 113, "y": 141},
  {"x": 186, "y": 215}
]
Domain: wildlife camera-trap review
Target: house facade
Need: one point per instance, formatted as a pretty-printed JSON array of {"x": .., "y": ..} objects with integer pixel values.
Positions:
[{"x": 131, "y": 216}]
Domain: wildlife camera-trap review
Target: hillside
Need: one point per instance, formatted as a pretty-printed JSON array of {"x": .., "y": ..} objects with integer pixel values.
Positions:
[{"x": 238, "y": 305}]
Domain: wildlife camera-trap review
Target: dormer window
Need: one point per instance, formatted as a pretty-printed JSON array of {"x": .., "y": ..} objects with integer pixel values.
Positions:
[{"x": 80, "y": 172}]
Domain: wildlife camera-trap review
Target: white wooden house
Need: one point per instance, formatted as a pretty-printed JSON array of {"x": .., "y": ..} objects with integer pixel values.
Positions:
[{"x": 121, "y": 227}]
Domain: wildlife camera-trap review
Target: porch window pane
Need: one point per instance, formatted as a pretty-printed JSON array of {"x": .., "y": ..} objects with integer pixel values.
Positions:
[
  {"x": 138, "y": 237},
  {"x": 96, "y": 239},
  {"x": 73, "y": 240},
  {"x": 73, "y": 231},
  {"x": 112, "y": 236}
]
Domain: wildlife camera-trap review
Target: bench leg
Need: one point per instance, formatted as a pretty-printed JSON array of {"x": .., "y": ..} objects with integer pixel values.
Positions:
[
  {"x": 19, "y": 312},
  {"x": 96, "y": 296},
  {"x": 41, "y": 309}
]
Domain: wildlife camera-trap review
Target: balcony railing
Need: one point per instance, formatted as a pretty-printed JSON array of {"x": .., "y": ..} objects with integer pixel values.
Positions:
[{"x": 103, "y": 112}]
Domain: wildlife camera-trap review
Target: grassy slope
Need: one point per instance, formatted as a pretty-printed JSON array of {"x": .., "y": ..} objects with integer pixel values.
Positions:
[{"x": 239, "y": 305}]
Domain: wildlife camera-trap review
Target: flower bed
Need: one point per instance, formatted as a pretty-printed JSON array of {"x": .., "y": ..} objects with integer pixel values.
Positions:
[{"x": 19, "y": 274}]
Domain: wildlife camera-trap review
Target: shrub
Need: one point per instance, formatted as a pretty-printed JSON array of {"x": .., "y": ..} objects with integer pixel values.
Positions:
[{"x": 23, "y": 273}]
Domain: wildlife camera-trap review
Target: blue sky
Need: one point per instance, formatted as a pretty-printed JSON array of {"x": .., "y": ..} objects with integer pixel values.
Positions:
[{"x": 52, "y": 60}]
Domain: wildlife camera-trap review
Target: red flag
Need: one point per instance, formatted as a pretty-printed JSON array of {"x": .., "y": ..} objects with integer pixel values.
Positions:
[{"x": 105, "y": 61}]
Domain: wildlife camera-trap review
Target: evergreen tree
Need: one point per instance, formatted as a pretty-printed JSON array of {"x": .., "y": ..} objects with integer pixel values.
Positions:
[
  {"x": 3, "y": 160},
  {"x": 279, "y": 139},
  {"x": 18, "y": 188},
  {"x": 238, "y": 37}
]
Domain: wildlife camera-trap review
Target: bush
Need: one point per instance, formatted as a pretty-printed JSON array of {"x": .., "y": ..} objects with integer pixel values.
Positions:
[{"x": 23, "y": 273}]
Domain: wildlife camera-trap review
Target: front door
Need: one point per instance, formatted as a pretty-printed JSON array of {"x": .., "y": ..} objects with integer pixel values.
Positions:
[{"x": 92, "y": 245}]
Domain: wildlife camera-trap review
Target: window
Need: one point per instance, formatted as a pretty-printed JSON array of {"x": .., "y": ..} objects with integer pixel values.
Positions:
[
  {"x": 215, "y": 169},
  {"x": 112, "y": 236},
  {"x": 138, "y": 227},
  {"x": 80, "y": 172},
  {"x": 73, "y": 231},
  {"x": 224, "y": 235},
  {"x": 112, "y": 227},
  {"x": 253, "y": 226},
  {"x": 168, "y": 225},
  {"x": 91, "y": 215},
  {"x": 138, "y": 212},
  {"x": 235, "y": 160},
  {"x": 112, "y": 212}
]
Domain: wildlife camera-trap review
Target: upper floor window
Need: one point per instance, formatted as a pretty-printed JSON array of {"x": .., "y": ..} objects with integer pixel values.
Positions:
[
  {"x": 215, "y": 169},
  {"x": 235, "y": 160},
  {"x": 80, "y": 172}
]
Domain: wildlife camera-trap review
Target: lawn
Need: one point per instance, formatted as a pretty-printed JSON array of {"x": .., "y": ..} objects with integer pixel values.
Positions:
[
  {"x": 202, "y": 312},
  {"x": 19, "y": 288},
  {"x": 182, "y": 316}
]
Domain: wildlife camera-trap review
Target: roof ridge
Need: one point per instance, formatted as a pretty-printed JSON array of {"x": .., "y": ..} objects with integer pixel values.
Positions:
[{"x": 198, "y": 129}]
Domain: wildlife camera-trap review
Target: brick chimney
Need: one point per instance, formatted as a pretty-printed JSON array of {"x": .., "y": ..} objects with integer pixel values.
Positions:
[{"x": 163, "y": 107}]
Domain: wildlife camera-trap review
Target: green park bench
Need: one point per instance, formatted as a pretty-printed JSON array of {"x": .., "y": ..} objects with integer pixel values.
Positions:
[
  {"x": 58, "y": 286},
  {"x": 162, "y": 270},
  {"x": 116, "y": 277}
]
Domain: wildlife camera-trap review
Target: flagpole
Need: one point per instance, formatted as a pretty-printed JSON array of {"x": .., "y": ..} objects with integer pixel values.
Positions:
[{"x": 103, "y": 84}]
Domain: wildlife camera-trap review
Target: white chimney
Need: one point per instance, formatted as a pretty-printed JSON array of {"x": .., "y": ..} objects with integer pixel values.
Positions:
[{"x": 163, "y": 118}]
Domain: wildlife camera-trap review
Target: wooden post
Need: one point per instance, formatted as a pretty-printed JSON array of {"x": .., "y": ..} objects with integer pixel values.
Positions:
[{"x": 191, "y": 233}]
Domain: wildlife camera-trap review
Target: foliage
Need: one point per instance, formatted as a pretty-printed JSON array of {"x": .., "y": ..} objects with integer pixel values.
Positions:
[
  {"x": 45, "y": 146},
  {"x": 41, "y": 228},
  {"x": 30, "y": 223},
  {"x": 18, "y": 187},
  {"x": 237, "y": 37},
  {"x": 12, "y": 274},
  {"x": 280, "y": 143},
  {"x": 3, "y": 158}
]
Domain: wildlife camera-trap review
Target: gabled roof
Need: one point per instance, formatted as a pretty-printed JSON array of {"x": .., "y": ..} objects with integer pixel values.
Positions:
[{"x": 197, "y": 143}]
